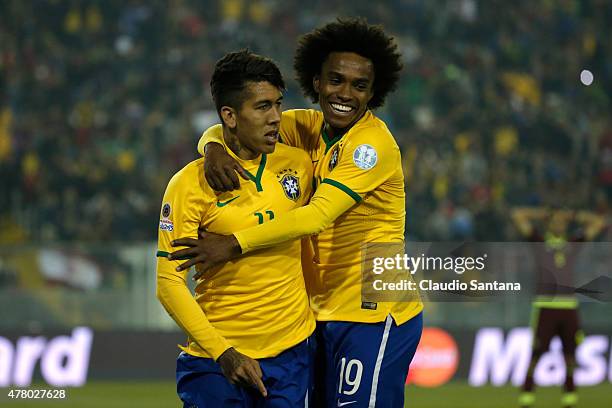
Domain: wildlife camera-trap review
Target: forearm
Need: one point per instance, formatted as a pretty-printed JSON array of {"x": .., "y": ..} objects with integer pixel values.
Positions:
[
  {"x": 295, "y": 224},
  {"x": 327, "y": 205},
  {"x": 178, "y": 301}
]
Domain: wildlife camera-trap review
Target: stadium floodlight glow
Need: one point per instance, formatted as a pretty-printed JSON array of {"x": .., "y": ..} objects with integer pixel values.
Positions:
[
  {"x": 64, "y": 360},
  {"x": 586, "y": 77}
]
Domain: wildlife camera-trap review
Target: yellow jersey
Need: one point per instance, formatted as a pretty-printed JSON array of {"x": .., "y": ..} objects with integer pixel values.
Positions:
[
  {"x": 359, "y": 199},
  {"x": 258, "y": 303}
]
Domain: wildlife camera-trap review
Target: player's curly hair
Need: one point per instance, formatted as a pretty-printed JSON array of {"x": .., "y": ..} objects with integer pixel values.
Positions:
[
  {"x": 349, "y": 35},
  {"x": 235, "y": 70}
]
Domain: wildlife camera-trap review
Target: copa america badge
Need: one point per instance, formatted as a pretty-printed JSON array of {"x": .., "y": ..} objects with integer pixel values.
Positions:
[{"x": 365, "y": 157}]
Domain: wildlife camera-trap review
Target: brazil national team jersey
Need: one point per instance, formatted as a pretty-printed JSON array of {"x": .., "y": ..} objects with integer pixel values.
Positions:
[
  {"x": 365, "y": 165},
  {"x": 257, "y": 303}
]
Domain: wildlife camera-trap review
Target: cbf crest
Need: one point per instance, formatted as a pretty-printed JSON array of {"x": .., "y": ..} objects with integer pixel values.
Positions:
[
  {"x": 333, "y": 161},
  {"x": 291, "y": 183}
]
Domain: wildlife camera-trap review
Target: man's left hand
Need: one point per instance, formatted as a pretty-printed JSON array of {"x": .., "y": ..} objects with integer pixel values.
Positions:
[{"x": 208, "y": 250}]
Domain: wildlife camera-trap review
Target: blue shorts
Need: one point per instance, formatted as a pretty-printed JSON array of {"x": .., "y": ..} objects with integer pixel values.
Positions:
[
  {"x": 364, "y": 365},
  {"x": 287, "y": 378}
]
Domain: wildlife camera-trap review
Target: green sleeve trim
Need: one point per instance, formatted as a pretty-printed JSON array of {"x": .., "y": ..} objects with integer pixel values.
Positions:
[
  {"x": 344, "y": 188},
  {"x": 164, "y": 254}
]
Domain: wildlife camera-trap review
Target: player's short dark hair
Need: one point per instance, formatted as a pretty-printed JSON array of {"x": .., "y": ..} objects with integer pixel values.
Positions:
[
  {"x": 349, "y": 35},
  {"x": 234, "y": 71}
]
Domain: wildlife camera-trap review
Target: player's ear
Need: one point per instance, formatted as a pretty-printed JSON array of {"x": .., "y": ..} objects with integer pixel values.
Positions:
[
  {"x": 316, "y": 83},
  {"x": 228, "y": 114}
]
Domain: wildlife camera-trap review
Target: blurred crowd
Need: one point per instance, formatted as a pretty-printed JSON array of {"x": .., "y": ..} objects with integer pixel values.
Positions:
[{"x": 102, "y": 101}]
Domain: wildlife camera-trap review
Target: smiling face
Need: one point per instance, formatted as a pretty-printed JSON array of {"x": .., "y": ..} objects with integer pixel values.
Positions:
[
  {"x": 253, "y": 127},
  {"x": 345, "y": 87}
]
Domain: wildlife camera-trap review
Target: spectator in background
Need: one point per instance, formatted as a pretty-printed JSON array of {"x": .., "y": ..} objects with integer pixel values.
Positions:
[{"x": 100, "y": 102}]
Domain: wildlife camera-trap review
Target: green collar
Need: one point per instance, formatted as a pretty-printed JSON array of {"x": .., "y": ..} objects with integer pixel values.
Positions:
[
  {"x": 257, "y": 179},
  {"x": 329, "y": 142}
]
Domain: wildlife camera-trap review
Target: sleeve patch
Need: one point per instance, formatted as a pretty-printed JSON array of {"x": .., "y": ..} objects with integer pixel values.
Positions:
[
  {"x": 165, "y": 224},
  {"x": 166, "y": 210},
  {"x": 365, "y": 157}
]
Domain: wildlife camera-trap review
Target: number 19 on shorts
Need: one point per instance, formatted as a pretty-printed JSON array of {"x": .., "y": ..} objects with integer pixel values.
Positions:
[{"x": 350, "y": 376}]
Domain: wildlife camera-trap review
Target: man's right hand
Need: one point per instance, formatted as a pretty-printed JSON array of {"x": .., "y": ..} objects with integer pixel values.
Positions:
[
  {"x": 242, "y": 370},
  {"x": 220, "y": 169}
]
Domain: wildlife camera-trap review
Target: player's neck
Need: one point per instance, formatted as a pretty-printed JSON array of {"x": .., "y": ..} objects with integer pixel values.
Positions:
[
  {"x": 243, "y": 152},
  {"x": 333, "y": 132}
]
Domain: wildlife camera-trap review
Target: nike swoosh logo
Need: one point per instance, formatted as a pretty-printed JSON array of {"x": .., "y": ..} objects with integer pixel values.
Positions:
[
  {"x": 224, "y": 203},
  {"x": 341, "y": 404}
]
